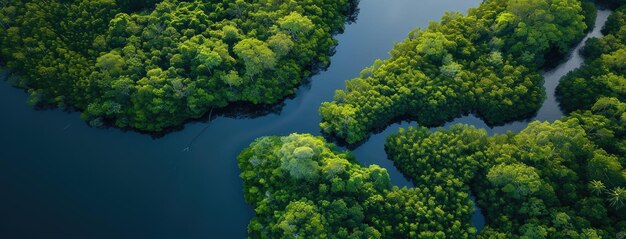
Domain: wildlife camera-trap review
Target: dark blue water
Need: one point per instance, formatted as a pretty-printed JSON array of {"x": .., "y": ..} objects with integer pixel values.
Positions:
[{"x": 60, "y": 178}]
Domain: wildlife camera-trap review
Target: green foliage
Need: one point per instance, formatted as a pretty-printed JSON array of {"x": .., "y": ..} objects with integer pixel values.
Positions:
[
  {"x": 517, "y": 180},
  {"x": 296, "y": 24},
  {"x": 256, "y": 55},
  {"x": 552, "y": 180},
  {"x": 152, "y": 64},
  {"x": 302, "y": 187},
  {"x": 112, "y": 63},
  {"x": 486, "y": 63},
  {"x": 591, "y": 13},
  {"x": 617, "y": 197}
]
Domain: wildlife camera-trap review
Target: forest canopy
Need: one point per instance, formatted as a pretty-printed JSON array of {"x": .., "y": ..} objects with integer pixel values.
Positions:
[
  {"x": 302, "y": 187},
  {"x": 486, "y": 62},
  {"x": 551, "y": 180},
  {"x": 152, "y": 64}
]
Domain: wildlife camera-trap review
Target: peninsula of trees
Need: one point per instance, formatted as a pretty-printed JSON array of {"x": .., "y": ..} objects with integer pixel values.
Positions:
[
  {"x": 151, "y": 64},
  {"x": 486, "y": 63}
]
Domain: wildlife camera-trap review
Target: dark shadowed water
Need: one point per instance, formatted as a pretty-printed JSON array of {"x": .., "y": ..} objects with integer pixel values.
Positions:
[{"x": 60, "y": 178}]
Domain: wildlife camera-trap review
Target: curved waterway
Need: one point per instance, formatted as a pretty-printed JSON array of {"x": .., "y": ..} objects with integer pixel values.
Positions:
[{"x": 60, "y": 178}]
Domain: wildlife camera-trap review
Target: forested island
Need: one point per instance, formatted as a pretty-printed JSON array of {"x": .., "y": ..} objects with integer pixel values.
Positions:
[
  {"x": 564, "y": 179},
  {"x": 151, "y": 64}
]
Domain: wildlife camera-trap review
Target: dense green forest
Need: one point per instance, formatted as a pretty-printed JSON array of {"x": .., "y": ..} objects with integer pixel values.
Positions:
[
  {"x": 552, "y": 180},
  {"x": 486, "y": 63},
  {"x": 152, "y": 64},
  {"x": 604, "y": 72},
  {"x": 302, "y": 187}
]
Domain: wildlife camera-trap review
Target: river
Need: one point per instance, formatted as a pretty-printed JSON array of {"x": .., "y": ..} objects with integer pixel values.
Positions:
[{"x": 62, "y": 178}]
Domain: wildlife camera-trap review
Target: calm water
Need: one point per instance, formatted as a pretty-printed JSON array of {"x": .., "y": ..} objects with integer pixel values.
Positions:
[{"x": 61, "y": 178}]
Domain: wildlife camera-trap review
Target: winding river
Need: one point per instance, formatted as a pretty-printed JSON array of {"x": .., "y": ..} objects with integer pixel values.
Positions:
[{"x": 61, "y": 178}]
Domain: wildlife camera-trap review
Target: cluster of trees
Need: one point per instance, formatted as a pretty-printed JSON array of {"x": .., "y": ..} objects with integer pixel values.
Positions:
[
  {"x": 486, "y": 63},
  {"x": 302, "y": 187},
  {"x": 152, "y": 64},
  {"x": 604, "y": 71},
  {"x": 560, "y": 180}
]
